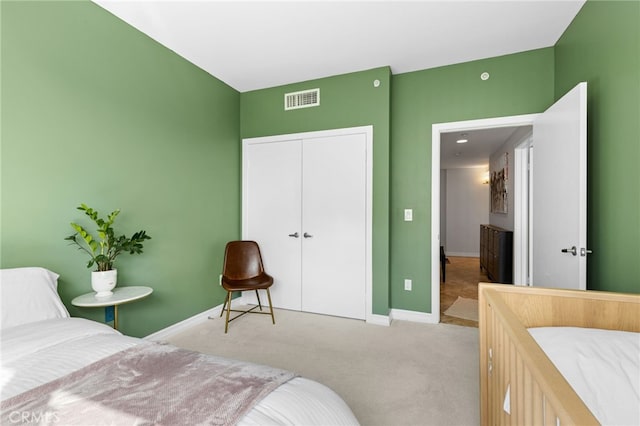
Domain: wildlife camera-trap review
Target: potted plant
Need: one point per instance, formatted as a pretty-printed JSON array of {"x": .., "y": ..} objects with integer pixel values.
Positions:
[{"x": 104, "y": 249}]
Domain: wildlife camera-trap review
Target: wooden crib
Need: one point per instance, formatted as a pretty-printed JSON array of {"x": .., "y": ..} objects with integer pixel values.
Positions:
[{"x": 511, "y": 358}]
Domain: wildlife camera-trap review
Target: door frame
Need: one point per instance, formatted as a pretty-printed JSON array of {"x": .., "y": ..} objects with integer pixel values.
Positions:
[
  {"x": 522, "y": 189},
  {"x": 368, "y": 132},
  {"x": 436, "y": 130}
]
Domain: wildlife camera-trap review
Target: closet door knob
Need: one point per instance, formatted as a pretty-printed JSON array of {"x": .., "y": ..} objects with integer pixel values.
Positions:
[
  {"x": 307, "y": 235},
  {"x": 295, "y": 235}
]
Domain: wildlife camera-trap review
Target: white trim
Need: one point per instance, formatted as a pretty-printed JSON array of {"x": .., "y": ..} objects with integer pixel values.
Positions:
[
  {"x": 376, "y": 319},
  {"x": 185, "y": 324},
  {"x": 461, "y": 254},
  {"x": 413, "y": 316},
  {"x": 530, "y": 214},
  {"x": 368, "y": 132},
  {"x": 202, "y": 317},
  {"x": 436, "y": 130},
  {"x": 521, "y": 197}
]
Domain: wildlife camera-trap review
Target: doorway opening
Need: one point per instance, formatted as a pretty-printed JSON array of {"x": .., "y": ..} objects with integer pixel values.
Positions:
[{"x": 520, "y": 207}]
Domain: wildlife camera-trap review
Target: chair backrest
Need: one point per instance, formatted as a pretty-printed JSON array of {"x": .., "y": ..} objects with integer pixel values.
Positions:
[{"x": 242, "y": 260}]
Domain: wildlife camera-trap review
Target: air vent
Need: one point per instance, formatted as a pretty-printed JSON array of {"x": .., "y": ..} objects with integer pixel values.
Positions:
[{"x": 304, "y": 99}]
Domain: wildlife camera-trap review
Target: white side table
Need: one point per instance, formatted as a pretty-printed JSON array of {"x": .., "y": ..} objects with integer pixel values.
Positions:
[{"x": 120, "y": 295}]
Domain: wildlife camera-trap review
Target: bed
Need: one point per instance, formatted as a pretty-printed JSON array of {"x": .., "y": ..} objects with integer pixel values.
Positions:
[
  {"x": 558, "y": 357},
  {"x": 61, "y": 370}
]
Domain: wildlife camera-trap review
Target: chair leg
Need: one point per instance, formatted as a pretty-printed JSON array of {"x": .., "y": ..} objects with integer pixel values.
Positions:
[
  {"x": 223, "y": 306},
  {"x": 273, "y": 319},
  {"x": 226, "y": 323},
  {"x": 258, "y": 296}
]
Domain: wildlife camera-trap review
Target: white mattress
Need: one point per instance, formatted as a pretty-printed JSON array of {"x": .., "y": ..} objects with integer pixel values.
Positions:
[
  {"x": 602, "y": 366},
  {"x": 36, "y": 353}
]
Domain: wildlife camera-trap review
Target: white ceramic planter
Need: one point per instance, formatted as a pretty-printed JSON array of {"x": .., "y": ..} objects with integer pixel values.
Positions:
[{"x": 103, "y": 282}]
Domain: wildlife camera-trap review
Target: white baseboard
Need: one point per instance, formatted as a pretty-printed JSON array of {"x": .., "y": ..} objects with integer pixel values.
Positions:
[
  {"x": 423, "y": 317},
  {"x": 183, "y": 325},
  {"x": 375, "y": 319},
  {"x": 462, "y": 254}
]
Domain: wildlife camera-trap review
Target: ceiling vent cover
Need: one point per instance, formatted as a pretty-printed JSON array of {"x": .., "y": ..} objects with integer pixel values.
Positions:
[{"x": 303, "y": 99}]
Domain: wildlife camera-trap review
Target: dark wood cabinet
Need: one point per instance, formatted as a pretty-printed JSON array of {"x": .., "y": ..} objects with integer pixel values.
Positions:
[{"x": 496, "y": 253}]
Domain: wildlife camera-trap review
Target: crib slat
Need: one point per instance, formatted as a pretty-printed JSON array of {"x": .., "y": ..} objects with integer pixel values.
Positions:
[
  {"x": 500, "y": 378},
  {"x": 526, "y": 402},
  {"x": 537, "y": 405},
  {"x": 518, "y": 386},
  {"x": 550, "y": 414},
  {"x": 494, "y": 387}
]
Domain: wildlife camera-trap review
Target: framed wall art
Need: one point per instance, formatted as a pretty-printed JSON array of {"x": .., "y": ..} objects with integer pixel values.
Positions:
[{"x": 499, "y": 179}]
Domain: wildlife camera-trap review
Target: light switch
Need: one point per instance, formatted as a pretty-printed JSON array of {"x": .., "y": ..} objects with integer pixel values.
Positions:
[
  {"x": 408, "y": 215},
  {"x": 407, "y": 284}
]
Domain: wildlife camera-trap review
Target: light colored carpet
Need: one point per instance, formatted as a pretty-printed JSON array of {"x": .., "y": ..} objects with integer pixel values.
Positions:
[
  {"x": 464, "y": 308},
  {"x": 405, "y": 374}
]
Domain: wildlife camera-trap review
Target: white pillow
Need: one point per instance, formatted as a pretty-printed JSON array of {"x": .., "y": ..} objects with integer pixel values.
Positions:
[{"x": 29, "y": 295}]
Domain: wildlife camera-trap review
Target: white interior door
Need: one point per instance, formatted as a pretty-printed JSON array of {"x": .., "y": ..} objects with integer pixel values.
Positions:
[
  {"x": 271, "y": 208},
  {"x": 559, "y": 193},
  {"x": 334, "y": 225}
]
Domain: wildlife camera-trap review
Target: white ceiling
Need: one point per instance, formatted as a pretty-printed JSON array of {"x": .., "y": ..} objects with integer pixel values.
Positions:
[
  {"x": 252, "y": 45},
  {"x": 258, "y": 44},
  {"x": 475, "y": 153}
]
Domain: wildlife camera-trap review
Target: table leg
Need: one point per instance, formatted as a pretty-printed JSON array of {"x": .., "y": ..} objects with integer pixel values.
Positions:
[{"x": 115, "y": 317}]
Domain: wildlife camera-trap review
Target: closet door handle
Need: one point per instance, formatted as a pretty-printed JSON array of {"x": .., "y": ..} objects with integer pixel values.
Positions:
[
  {"x": 295, "y": 235},
  {"x": 307, "y": 235}
]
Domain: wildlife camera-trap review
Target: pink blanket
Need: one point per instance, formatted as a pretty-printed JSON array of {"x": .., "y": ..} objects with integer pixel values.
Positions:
[{"x": 148, "y": 384}]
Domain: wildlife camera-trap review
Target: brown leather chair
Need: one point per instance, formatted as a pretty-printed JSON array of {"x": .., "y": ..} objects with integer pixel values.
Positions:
[{"x": 243, "y": 271}]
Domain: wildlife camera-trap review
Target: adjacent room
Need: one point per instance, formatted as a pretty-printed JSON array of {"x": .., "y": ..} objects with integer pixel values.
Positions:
[
  {"x": 476, "y": 192},
  {"x": 392, "y": 161}
]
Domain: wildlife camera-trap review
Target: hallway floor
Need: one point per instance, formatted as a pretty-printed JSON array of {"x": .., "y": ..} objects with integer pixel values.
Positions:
[{"x": 463, "y": 276}]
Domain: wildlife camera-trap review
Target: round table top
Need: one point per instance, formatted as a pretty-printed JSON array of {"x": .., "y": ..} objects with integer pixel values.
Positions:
[{"x": 120, "y": 295}]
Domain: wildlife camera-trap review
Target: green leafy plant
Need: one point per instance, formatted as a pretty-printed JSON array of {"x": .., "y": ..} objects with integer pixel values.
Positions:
[{"x": 107, "y": 247}]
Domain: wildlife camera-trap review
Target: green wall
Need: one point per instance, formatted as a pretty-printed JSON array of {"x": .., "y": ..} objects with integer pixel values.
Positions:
[
  {"x": 347, "y": 100},
  {"x": 518, "y": 84},
  {"x": 602, "y": 47},
  {"x": 94, "y": 111}
]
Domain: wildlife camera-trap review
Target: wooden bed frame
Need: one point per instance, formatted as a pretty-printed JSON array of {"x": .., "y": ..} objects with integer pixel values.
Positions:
[{"x": 510, "y": 357}]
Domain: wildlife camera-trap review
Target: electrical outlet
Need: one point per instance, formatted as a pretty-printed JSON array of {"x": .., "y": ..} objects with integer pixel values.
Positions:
[
  {"x": 408, "y": 215},
  {"x": 220, "y": 279},
  {"x": 407, "y": 284}
]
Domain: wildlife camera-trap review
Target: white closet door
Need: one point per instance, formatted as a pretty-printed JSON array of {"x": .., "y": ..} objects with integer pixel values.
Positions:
[
  {"x": 272, "y": 198},
  {"x": 334, "y": 225}
]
